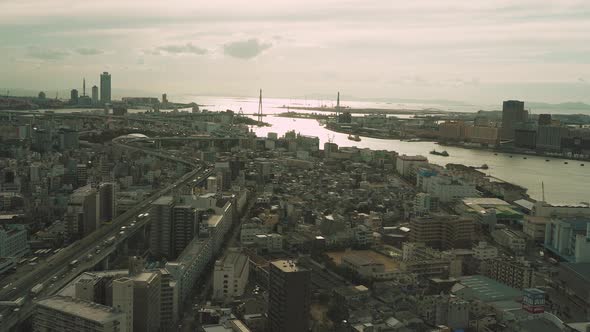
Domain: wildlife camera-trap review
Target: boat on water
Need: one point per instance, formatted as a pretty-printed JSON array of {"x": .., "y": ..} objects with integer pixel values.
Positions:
[
  {"x": 355, "y": 138},
  {"x": 565, "y": 162},
  {"x": 484, "y": 166},
  {"x": 443, "y": 153}
]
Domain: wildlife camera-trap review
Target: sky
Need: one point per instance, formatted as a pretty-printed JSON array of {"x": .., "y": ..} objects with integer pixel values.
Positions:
[{"x": 466, "y": 50}]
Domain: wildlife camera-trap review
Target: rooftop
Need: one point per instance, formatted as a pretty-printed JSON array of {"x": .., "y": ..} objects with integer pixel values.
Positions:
[
  {"x": 84, "y": 309},
  {"x": 482, "y": 288},
  {"x": 287, "y": 265}
]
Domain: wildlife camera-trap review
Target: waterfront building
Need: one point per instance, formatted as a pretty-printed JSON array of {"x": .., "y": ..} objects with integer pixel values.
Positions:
[
  {"x": 94, "y": 95},
  {"x": 513, "y": 114},
  {"x": 482, "y": 134},
  {"x": 452, "y": 130},
  {"x": 289, "y": 297},
  {"x": 407, "y": 165},
  {"x": 549, "y": 137},
  {"x": 569, "y": 239},
  {"x": 525, "y": 138},
  {"x": 230, "y": 275},
  {"x": 74, "y": 97},
  {"x": 105, "y": 88},
  {"x": 62, "y": 313}
]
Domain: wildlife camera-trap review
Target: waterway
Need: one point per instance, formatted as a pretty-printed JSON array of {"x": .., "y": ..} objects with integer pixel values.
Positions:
[{"x": 564, "y": 183}]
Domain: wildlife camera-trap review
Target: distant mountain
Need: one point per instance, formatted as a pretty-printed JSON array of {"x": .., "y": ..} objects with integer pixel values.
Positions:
[{"x": 561, "y": 108}]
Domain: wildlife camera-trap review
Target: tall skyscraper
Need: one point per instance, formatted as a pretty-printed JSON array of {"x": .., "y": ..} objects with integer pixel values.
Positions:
[
  {"x": 108, "y": 201},
  {"x": 84, "y": 86},
  {"x": 94, "y": 95},
  {"x": 74, "y": 97},
  {"x": 105, "y": 87},
  {"x": 513, "y": 114},
  {"x": 161, "y": 226},
  {"x": 289, "y": 297},
  {"x": 123, "y": 299}
]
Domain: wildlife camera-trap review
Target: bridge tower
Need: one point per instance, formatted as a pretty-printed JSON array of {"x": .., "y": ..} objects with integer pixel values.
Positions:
[{"x": 260, "y": 107}]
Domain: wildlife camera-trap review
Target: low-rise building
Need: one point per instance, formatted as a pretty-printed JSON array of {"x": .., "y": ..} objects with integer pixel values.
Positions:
[
  {"x": 61, "y": 313},
  {"x": 569, "y": 239},
  {"x": 509, "y": 239}
]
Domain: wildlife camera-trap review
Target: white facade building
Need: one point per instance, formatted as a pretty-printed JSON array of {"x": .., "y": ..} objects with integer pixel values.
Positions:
[{"x": 230, "y": 275}]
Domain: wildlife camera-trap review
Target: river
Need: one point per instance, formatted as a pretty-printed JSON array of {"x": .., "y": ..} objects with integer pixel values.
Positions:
[{"x": 564, "y": 183}]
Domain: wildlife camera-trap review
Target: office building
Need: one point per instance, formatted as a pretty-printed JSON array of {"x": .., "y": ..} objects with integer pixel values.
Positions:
[
  {"x": 230, "y": 275},
  {"x": 513, "y": 114},
  {"x": 525, "y": 138},
  {"x": 549, "y": 137},
  {"x": 13, "y": 240},
  {"x": 108, "y": 201},
  {"x": 289, "y": 297},
  {"x": 68, "y": 139},
  {"x": 105, "y": 88},
  {"x": 74, "y": 97},
  {"x": 161, "y": 226},
  {"x": 95, "y": 95},
  {"x": 92, "y": 288},
  {"x": 123, "y": 299},
  {"x": 146, "y": 301},
  {"x": 442, "y": 231},
  {"x": 64, "y": 314},
  {"x": 82, "y": 213}
]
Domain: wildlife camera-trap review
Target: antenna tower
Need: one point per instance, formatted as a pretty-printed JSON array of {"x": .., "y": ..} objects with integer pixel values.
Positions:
[{"x": 260, "y": 107}]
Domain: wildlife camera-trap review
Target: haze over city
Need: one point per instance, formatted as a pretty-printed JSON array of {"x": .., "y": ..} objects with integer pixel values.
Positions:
[{"x": 478, "y": 52}]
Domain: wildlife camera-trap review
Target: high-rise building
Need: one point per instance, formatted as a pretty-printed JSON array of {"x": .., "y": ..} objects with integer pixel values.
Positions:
[
  {"x": 164, "y": 99},
  {"x": 105, "y": 88},
  {"x": 513, "y": 113},
  {"x": 185, "y": 225},
  {"x": 68, "y": 139},
  {"x": 63, "y": 313},
  {"x": 94, "y": 95},
  {"x": 123, "y": 299},
  {"x": 168, "y": 301},
  {"x": 108, "y": 201},
  {"x": 544, "y": 120},
  {"x": 289, "y": 297},
  {"x": 146, "y": 301},
  {"x": 74, "y": 97},
  {"x": 82, "y": 214},
  {"x": 230, "y": 275},
  {"x": 161, "y": 226}
]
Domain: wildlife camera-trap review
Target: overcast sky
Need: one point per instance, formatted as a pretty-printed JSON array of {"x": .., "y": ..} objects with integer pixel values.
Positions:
[{"x": 468, "y": 50}]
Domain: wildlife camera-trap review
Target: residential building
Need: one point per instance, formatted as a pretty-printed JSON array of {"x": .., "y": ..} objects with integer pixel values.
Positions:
[
  {"x": 62, "y": 313},
  {"x": 514, "y": 272},
  {"x": 185, "y": 221},
  {"x": 534, "y": 227},
  {"x": 448, "y": 310},
  {"x": 484, "y": 251},
  {"x": 422, "y": 204},
  {"x": 442, "y": 231},
  {"x": 289, "y": 297},
  {"x": 169, "y": 302},
  {"x": 94, "y": 95},
  {"x": 230, "y": 275},
  {"x": 161, "y": 226}
]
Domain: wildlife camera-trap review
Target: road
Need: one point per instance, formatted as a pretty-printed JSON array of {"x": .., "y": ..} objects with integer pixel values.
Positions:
[{"x": 53, "y": 268}]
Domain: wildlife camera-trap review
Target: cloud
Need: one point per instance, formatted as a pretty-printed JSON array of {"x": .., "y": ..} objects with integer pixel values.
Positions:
[
  {"x": 188, "y": 48},
  {"x": 246, "y": 49},
  {"x": 88, "y": 51},
  {"x": 47, "y": 54}
]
